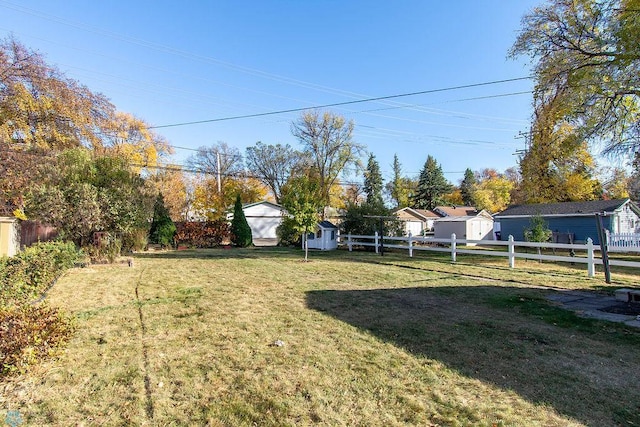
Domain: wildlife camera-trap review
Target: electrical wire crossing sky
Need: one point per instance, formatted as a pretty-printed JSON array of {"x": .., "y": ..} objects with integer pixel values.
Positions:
[{"x": 416, "y": 78}]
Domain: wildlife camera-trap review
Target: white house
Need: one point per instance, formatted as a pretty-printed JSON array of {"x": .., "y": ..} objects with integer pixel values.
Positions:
[
  {"x": 324, "y": 238},
  {"x": 477, "y": 227},
  {"x": 416, "y": 221},
  {"x": 264, "y": 218}
]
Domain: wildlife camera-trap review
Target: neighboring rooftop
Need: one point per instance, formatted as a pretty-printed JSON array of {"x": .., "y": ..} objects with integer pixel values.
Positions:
[
  {"x": 567, "y": 208},
  {"x": 456, "y": 210}
]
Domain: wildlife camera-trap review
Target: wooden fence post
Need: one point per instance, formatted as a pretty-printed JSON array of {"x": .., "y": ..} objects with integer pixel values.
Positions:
[
  {"x": 512, "y": 252},
  {"x": 591, "y": 264},
  {"x": 453, "y": 247},
  {"x": 410, "y": 246},
  {"x": 349, "y": 244},
  {"x": 375, "y": 236}
]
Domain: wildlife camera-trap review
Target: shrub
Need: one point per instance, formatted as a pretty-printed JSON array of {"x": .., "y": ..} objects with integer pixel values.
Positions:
[
  {"x": 108, "y": 248},
  {"x": 29, "y": 333},
  {"x": 162, "y": 228},
  {"x": 29, "y": 273},
  {"x": 206, "y": 234},
  {"x": 538, "y": 230},
  {"x": 287, "y": 233},
  {"x": 135, "y": 240},
  {"x": 240, "y": 230}
]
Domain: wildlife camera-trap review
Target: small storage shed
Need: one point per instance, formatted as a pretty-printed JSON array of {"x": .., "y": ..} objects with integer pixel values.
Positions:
[
  {"x": 263, "y": 219},
  {"x": 324, "y": 238},
  {"x": 9, "y": 236},
  {"x": 478, "y": 227}
]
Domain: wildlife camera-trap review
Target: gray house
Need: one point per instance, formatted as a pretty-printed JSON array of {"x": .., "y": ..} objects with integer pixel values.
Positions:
[{"x": 574, "y": 220}]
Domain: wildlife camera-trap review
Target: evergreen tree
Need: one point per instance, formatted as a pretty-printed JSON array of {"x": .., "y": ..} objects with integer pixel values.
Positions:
[
  {"x": 373, "y": 182},
  {"x": 467, "y": 186},
  {"x": 400, "y": 188},
  {"x": 432, "y": 185},
  {"x": 162, "y": 227},
  {"x": 240, "y": 230}
]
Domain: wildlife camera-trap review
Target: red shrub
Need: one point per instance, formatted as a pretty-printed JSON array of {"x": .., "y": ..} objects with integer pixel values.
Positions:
[{"x": 202, "y": 234}]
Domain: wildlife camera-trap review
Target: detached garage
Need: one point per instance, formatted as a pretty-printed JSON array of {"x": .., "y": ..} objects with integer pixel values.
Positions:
[
  {"x": 263, "y": 218},
  {"x": 479, "y": 227}
]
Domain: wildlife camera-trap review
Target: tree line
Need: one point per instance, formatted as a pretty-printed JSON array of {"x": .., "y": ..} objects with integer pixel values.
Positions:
[{"x": 70, "y": 158}]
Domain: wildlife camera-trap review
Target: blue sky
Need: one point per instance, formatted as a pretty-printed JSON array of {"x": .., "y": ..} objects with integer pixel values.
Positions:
[{"x": 171, "y": 62}]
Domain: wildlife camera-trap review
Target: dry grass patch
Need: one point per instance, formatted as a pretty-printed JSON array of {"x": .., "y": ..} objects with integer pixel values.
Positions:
[{"x": 187, "y": 338}]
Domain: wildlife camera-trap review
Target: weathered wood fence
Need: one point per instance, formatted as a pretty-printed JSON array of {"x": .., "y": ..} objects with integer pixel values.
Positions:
[{"x": 578, "y": 253}]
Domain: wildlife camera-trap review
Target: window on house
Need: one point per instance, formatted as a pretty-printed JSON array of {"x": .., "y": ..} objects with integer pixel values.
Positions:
[
  {"x": 319, "y": 233},
  {"x": 333, "y": 235}
]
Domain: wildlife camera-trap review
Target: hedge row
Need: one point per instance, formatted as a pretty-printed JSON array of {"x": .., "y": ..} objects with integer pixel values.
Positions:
[
  {"x": 28, "y": 331},
  {"x": 27, "y": 275},
  {"x": 207, "y": 234}
]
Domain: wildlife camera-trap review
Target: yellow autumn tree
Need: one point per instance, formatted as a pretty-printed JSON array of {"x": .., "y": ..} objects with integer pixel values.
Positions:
[
  {"x": 131, "y": 137},
  {"x": 211, "y": 204},
  {"x": 493, "y": 193},
  {"x": 558, "y": 166},
  {"x": 172, "y": 184}
]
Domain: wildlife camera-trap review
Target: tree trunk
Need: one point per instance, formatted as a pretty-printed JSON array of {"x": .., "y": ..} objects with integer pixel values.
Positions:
[{"x": 306, "y": 246}]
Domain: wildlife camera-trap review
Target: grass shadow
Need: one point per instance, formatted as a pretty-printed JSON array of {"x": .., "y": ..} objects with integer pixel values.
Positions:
[{"x": 510, "y": 337}]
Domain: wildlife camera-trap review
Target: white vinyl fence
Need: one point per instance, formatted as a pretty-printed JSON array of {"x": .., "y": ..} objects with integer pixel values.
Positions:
[
  {"x": 623, "y": 242},
  {"x": 580, "y": 253}
]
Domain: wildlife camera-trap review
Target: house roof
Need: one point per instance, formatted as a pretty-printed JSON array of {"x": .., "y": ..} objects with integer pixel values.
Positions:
[
  {"x": 421, "y": 214},
  {"x": 326, "y": 224},
  {"x": 588, "y": 208},
  {"x": 456, "y": 210}
]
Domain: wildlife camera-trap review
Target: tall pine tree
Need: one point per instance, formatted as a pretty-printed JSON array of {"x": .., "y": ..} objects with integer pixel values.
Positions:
[
  {"x": 467, "y": 187},
  {"x": 373, "y": 182},
  {"x": 432, "y": 185},
  {"x": 399, "y": 188}
]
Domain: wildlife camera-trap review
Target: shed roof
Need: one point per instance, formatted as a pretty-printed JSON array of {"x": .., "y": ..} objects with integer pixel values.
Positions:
[
  {"x": 326, "y": 224},
  {"x": 587, "y": 208},
  {"x": 463, "y": 218}
]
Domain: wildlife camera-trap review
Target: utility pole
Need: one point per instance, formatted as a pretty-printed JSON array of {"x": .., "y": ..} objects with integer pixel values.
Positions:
[
  {"x": 604, "y": 250},
  {"x": 218, "y": 171}
]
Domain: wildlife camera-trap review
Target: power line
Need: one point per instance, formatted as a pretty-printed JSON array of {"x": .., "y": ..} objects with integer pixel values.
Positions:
[{"x": 338, "y": 104}]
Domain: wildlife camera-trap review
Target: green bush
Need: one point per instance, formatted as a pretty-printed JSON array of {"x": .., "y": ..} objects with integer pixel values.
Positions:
[
  {"x": 135, "y": 240},
  {"x": 287, "y": 233},
  {"x": 30, "y": 332},
  {"x": 240, "y": 230},
  {"x": 162, "y": 228},
  {"x": 28, "y": 274},
  {"x": 108, "y": 249}
]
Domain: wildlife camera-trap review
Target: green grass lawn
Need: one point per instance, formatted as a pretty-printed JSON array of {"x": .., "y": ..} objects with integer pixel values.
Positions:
[{"x": 187, "y": 338}]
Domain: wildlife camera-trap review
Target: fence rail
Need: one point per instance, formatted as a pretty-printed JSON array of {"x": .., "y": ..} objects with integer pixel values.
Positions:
[
  {"x": 623, "y": 242},
  {"x": 411, "y": 244}
]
